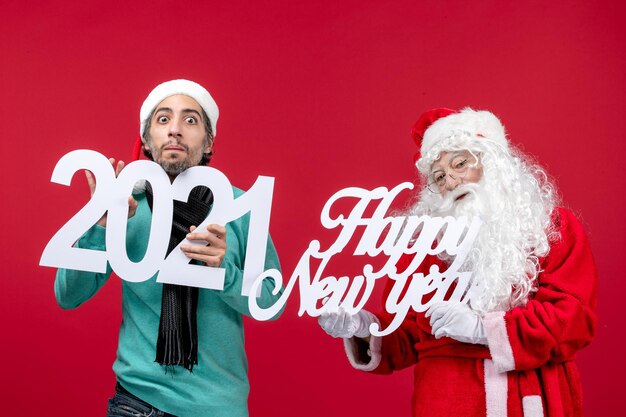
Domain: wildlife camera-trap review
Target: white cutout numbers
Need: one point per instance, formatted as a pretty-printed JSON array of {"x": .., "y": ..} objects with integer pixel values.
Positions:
[{"x": 111, "y": 195}]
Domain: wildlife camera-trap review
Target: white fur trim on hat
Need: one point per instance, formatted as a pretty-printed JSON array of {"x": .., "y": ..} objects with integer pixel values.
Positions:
[
  {"x": 457, "y": 130},
  {"x": 185, "y": 87}
]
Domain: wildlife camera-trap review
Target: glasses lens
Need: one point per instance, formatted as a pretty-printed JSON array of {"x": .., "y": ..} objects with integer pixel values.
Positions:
[
  {"x": 456, "y": 171},
  {"x": 433, "y": 188}
]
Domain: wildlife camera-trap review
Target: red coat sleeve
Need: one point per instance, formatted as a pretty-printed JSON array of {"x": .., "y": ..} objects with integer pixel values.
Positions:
[
  {"x": 398, "y": 348},
  {"x": 560, "y": 318}
]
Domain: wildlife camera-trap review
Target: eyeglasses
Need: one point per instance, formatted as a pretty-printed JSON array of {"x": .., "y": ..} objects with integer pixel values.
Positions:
[{"x": 457, "y": 169}]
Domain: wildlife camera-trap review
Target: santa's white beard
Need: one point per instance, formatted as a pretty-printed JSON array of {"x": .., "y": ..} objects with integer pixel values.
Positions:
[
  {"x": 465, "y": 200},
  {"x": 500, "y": 254}
]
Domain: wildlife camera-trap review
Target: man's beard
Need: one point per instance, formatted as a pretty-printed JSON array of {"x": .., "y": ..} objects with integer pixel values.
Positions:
[
  {"x": 173, "y": 168},
  {"x": 500, "y": 255}
]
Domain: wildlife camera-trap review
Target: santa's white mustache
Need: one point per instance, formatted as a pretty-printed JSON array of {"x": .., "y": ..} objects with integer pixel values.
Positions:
[{"x": 453, "y": 197}]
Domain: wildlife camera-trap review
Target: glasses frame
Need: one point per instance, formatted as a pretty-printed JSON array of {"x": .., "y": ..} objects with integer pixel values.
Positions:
[{"x": 434, "y": 188}]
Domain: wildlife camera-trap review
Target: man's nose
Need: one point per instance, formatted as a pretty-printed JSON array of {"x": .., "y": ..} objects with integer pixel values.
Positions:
[{"x": 175, "y": 128}]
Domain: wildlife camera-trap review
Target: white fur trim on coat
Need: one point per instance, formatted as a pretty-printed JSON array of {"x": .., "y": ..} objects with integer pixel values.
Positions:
[
  {"x": 496, "y": 390},
  {"x": 374, "y": 352},
  {"x": 498, "y": 340},
  {"x": 532, "y": 406}
]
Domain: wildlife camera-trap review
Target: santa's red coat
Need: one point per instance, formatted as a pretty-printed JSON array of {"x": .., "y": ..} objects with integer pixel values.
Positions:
[{"x": 527, "y": 369}]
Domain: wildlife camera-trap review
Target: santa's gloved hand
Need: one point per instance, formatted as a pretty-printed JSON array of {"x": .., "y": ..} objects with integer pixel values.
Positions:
[
  {"x": 341, "y": 324},
  {"x": 458, "y": 321}
]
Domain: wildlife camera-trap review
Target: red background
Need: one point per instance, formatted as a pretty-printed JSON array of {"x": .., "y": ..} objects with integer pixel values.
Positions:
[{"x": 321, "y": 95}]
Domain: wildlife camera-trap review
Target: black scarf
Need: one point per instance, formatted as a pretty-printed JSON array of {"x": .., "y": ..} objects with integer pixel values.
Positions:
[{"x": 177, "y": 343}]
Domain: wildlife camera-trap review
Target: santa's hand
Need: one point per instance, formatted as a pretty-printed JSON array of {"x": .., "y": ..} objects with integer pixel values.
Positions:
[
  {"x": 342, "y": 324},
  {"x": 458, "y": 321}
]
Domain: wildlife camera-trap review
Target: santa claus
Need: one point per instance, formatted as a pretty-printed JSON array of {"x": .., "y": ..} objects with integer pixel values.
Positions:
[{"x": 508, "y": 348}]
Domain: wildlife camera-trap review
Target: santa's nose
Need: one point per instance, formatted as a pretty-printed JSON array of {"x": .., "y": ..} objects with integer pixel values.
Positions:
[{"x": 452, "y": 182}]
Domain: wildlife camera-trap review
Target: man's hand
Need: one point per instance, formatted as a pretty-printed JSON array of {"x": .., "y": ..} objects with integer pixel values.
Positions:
[
  {"x": 91, "y": 181},
  {"x": 344, "y": 325},
  {"x": 458, "y": 321},
  {"x": 213, "y": 253}
]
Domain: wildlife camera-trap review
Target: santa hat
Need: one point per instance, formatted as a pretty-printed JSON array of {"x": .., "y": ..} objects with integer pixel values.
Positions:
[
  {"x": 170, "y": 88},
  {"x": 442, "y": 129},
  {"x": 185, "y": 87}
]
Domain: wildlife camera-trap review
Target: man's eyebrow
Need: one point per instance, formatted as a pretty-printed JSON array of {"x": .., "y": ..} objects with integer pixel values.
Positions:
[
  {"x": 162, "y": 109},
  {"x": 167, "y": 109},
  {"x": 191, "y": 111}
]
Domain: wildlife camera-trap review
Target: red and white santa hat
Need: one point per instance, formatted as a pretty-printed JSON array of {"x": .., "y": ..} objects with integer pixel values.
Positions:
[
  {"x": 186, "y": 87},
  {"x": 443, "y": 129}
]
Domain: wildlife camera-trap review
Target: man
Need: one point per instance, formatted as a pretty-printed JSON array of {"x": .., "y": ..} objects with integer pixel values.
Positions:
[
  {"x": 508, "y": 349},
  {"x": 181, "y": 349}
]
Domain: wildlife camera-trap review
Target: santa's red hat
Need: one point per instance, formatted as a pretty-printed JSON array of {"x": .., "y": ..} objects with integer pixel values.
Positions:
[{"x": 442, "y": 129}]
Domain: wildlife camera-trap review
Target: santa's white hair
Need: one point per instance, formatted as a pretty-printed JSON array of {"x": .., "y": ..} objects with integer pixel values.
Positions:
[{"x": 514, "y": 198}]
